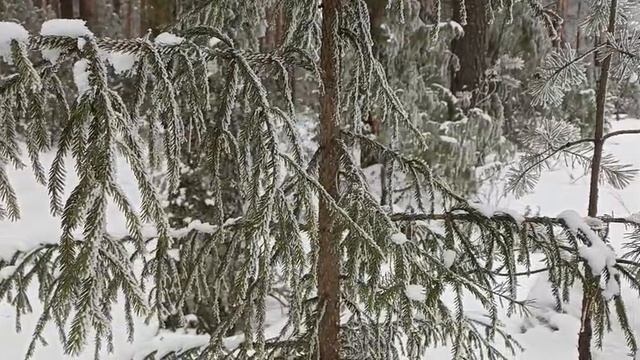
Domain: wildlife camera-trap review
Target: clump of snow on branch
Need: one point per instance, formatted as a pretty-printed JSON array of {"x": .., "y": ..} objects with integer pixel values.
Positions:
[
  {"x": 457, "y": 29},
  {"x": 448, "y": 139},
  {"x": 81, "y": 76},
  {"x": 598, "y": 255},
  {"x": 213, "y": 41},
  {"x": 399, "y": 238},
  {"x": 168, "y": 39},
  {"x": 448, "y": 258},
  {"x": 74, "y": 28},
  {"x": 489, "y": 211},
  {"x": 10, "y": 31},
  {"x": 121, "y": 62}
]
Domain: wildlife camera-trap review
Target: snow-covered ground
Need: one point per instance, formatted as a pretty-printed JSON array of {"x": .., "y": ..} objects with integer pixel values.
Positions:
[{"x": 558, "y": 190}]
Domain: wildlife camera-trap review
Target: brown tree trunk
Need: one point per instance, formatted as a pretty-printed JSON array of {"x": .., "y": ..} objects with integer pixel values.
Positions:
[
  {"x": 129, "y": 13},
  {"x": 88, "y": 12},
  {"x": 590, "y": 286},
  {"x": 55, "y": 6},
  {"x": 471, "y": 49},
  {"x": 328, "y": 269},
  {"x": 156, "y": 14},
  {"x": 276, "y": 27},
  {"x": 377, "y": 15},
  {"x": 66, "y": 9},
  {"x": 563, "y": 12},
  {"x": 578, "y": 28}
]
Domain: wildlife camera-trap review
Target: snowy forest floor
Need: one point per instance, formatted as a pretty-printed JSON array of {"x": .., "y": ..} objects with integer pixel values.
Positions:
[{"x": 547, "y": 335}]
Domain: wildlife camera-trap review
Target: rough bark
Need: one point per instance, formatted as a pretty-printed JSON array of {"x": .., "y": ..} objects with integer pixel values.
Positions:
[
  {"x": 55, "y": 6},
  {"x": 590, "y": 286},
  {"x": 471, "y": 49},
  {"x": 129, "y": 14},
  {"x": 156, "y": 14},
  {"x": 377, "y": 16},
  {"x": 88, "y": 12},
  {"x": 563, "y": 12},
  {"x": 66, "y": 9},
  {"x": 328, "y": 269}
]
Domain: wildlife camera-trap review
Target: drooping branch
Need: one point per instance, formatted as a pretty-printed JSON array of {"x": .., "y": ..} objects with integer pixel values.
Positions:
[{"x": 465, "y": 216}]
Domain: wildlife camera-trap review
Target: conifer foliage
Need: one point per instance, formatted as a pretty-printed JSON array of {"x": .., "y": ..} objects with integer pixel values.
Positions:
[{"x": 356, "y": 273}]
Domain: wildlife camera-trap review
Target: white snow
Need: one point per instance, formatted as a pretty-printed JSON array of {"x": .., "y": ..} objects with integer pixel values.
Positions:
[
  {"x": 168, "y": 39},
  {"x": 194, "y": 225},
  {"x": 457, "y": 29},
  {"x": 416, "y": 292},
  {"x": 213, "y": 41},
  {"x": 598, "y": 254},
  {"x": 634, "y": 218},
  {"x": 81, "y": 76},
  {"x": 448, "y": 257},
  {"x": 81, "y": 43},
  {"x": 121, "y": 62},
  {"x": 488, "y": 210},
  {"x": 7, "y": 271},
  {"x": 167, "y": 342},
  {"x": 74, "y": 28},
  {"x": 448, "y": 139},
  {"x": 10, "y": 31},
  {"x": 546, "y": 335},
  {"x": 399, "y": 238}
]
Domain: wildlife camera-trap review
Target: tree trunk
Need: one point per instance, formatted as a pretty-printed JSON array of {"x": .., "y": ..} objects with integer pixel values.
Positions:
[
  {"x": 156, "y": 14},
  {"x": 563, "y": 12},
  {"x": 578, "y": 27},
  {"x": 590, "y": 287},
  {"x": 471, "y": 49},
  {"x": 55, "y": 6},
  {"x": 66, "y": 9},
  {"x": 377, "y": 12},
  {"x": 88, "y": 12},
  {"x": 328, "y": 269},
  {"x": 129, "y": 13}
]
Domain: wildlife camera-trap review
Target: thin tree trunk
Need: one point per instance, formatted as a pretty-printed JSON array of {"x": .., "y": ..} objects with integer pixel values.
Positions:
[
  {"x": 88, "y": 12},
  {"x": 328, "y": 269},
  {"x": 471, "y": 49},
  {"x": 55, "y": 6},
  {"x": 377, "y": 12},
  {"x": 129, "y": 31},
  {"x": 66, "y": 9},
  {"x": 590, "y": 287},
  {"x": 157, "y": 14},
  {"x": 563, "y": 12},
  {"x": 578, "y": 27}
]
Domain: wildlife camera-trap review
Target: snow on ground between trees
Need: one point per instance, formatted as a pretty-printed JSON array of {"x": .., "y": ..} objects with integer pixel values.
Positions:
[{"x": 549, "y": 334}]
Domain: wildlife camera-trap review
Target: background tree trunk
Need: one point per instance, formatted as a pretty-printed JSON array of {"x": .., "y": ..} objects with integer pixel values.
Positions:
[
  {"x": 88, "y": 12},
  {"x": 156, "y": 14},
  {"x": 66, "y": 9},
  {"x": 328, "y": 269},
  {"x": 590, "y": 286},
  {"x": 471, "y": 49}
]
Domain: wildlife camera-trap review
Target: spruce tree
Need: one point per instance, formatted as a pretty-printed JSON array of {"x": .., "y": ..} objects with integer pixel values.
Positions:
[{"x": 357, "y": 273}]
